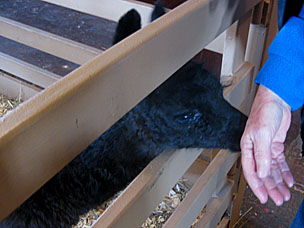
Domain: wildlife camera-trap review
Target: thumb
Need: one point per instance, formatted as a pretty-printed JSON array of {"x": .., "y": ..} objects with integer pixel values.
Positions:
[{"x": 262, "y": 155}]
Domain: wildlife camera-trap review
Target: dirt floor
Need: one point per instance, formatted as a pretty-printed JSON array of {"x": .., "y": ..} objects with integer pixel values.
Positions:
[{"x": 255, "y": 214}]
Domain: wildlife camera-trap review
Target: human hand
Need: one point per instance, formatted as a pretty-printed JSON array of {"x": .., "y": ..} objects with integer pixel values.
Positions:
[{"x": 262, "y": 145}]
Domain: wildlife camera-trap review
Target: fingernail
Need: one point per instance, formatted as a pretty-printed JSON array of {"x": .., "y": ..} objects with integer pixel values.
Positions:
[{"x": 279, "y": 202}]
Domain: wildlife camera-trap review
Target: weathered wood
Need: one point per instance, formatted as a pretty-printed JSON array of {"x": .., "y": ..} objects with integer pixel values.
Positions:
[
  {"x": 108, "y": 9},
  {"x": 53, "y": 44},
  {"x": 202, "y": 191},
  {"x": 57, "y": 124},
  {"x": 27, "y": 71}
]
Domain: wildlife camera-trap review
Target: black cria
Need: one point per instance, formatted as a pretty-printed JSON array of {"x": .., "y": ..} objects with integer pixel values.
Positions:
[
  {"x": 187, "y": 111},
  {"x": 127, "y": 24}
]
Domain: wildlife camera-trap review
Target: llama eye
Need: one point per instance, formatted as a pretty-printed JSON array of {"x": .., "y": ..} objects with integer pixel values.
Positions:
[
  {"x": 184, "y": 118},
  {"x": 188, "y": 117}
]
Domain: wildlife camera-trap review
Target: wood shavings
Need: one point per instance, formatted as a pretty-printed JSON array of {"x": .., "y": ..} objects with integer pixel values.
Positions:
[
  {"x": 164, "y": 210},
  {"x": 7, "y": 104},
  {"x": 87, "y": 220},
  {"x": 158, "y": 217}
]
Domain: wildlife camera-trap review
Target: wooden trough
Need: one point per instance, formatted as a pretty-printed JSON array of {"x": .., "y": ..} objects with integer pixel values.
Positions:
[{"x": 55, "y": 124}]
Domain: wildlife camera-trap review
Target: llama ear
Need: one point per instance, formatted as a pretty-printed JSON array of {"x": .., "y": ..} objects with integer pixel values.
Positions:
[
  {"x": 158, "y": 11},
  {"x": 127, "y": 24}
]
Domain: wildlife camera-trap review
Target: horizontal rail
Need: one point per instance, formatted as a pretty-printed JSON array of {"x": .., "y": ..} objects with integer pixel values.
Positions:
[
  {"x": 50, "y": 43},
  {"x": 108, "y": 9},
  {"x": 27, "y": 71},
  {"x": 57, "y": 124}
]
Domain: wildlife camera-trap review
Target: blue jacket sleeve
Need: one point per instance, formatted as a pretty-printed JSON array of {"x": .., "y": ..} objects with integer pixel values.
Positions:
[{"x": 283, "y": 72}]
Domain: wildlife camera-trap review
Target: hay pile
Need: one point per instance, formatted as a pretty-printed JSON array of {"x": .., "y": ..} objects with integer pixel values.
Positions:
[
  {"x": 7, "y": 104},
  {"x": 158, "y": 217}
]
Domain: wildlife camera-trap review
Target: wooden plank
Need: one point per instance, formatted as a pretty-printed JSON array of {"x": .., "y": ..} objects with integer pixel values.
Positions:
[
  {"x": 235, "y": 45},
  {"x": 108, "y": 9},
  {"x": 57, "y": 124},
  {"x": 217, "y": 207},
  {"x": 53, "y": 44},
  {"x": 271, "y": 23},
  {"x": 27, "y": 71},
  {"x": 15, "y": 88},
  {"x": 217, "y": 45},
  {"x": 255, "y": 45},
  {"x": 202, "y": 191},
  {"x": 257, "y": 13},
  {"x": 237, "y": 202},
  {"x": 242, "y": 82},
  {"x": 223, "y": 223},
  {"x": 148, "y": 189}
]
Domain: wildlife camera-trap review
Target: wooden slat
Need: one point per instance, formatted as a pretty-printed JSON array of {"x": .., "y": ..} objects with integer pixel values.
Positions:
[
  {"x": 108, "y": 9},
  {"x": 242, "y": 82},
  {"x": 235, "y": 45},
  {"x": 27, "y": 71},
  {"x": 223, "y": 223},
  {"x": 255, "y": 46},
  {"x": 15, "y": 88},
  {"x": 57, "y": 124},
  {"x": 272, "y": 24},
  {"x": 237, "y": 202},
  {"x": 202, "y": 191},
  {"x": 216, "y": 208},
  {"x": 217, "y": 45},
  {"x": 148, "y": 189},
  {"x": 55, "y": 45}
]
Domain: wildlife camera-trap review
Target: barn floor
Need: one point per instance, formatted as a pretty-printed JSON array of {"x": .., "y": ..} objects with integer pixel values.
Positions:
[
  {"x": 75, "y": 26},
  {"x": 268, "y": 215}
]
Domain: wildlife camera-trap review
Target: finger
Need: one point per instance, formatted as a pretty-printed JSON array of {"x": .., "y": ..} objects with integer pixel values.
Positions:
[
  {"x": 284, "y": 191},
  {"x": 254, "y": 182},
  {"x": 273, "y": 190},
  {"x": 287, "y": 176},
  {"x": 278, "y": 179},
  {"x": 262, "y": 152}
]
